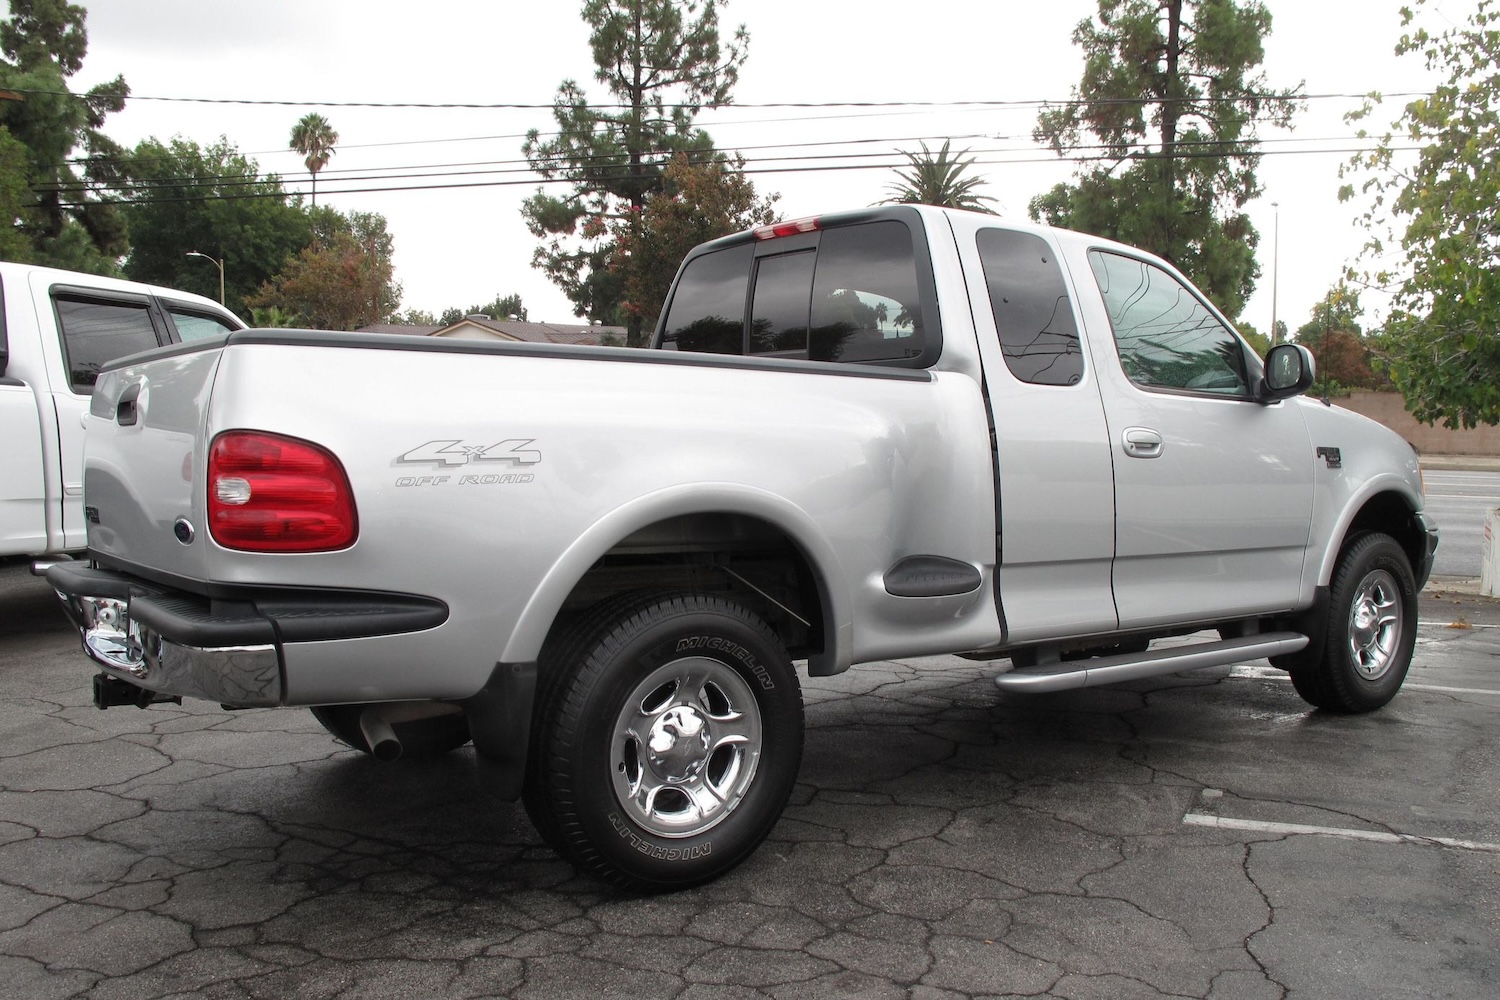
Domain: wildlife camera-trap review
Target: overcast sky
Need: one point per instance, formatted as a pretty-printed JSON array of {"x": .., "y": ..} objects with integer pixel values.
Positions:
[{"x": 460, "y": 245}]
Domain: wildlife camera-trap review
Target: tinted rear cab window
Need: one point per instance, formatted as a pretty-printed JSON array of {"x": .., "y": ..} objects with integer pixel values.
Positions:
[{"x": 857, "y": 291}]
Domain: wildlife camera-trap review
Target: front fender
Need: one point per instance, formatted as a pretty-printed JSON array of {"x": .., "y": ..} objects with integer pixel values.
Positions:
[
  {"x": 535, "y": 621},
  {"x": 1389, "y": 483}
]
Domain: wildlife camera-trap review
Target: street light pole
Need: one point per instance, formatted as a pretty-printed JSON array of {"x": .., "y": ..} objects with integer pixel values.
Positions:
[
  {"x": 1275, "y": 260},
  {"x": 217, "y": 262}
]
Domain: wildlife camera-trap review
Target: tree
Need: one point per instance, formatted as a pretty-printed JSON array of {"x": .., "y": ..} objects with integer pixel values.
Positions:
[
  {"x": 1259, "y": 342},
  {"x": 14, "y": 197},
  {"x": 315, "y": 139},
  {"x": 345, "y": 280},
  {"x": 1440, "y": 335},
  {"x": 938, "y": 180},
  {"x": 415, "y": 317},
  {"x": 503, "y": 307},
  {"x": 213, "y": 200},
  {"x": 62, "y": 219},
  {"x": 271, "y": 318},
  {"x": 1337, "y": 342},
  {"x": 698, "y": 202},
  {"x": 661, "y": 61},
  {"x": 1169, "y": 103}
]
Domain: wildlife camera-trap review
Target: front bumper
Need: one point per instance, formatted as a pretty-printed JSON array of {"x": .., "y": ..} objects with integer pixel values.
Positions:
[
  {"x": 227, "y": 650},
  {"x": 1423, "y": 568}
]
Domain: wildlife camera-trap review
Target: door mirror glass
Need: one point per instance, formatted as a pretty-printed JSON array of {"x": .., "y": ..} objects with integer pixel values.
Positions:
[{"x": 1290, "y": 369}]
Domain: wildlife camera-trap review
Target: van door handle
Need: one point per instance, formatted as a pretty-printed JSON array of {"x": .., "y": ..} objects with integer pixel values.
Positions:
[
  {"x": 1142, "y": 442},
  {"x": 126, "y": 413}
]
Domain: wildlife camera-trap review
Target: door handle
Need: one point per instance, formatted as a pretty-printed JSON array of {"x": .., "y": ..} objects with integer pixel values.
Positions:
[{"x": 1142, "y": 442}]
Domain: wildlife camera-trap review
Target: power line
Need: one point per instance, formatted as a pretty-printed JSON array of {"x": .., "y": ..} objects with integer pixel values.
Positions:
[
  {"x": 748, "y": 170},
  {"x": 1235, "y": 147},
  {"x": 600, "y": 106},
  {"x": 755, "y": 164}
]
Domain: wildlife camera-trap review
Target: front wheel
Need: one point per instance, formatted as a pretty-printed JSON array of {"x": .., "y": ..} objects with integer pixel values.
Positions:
[
  {"x": 1372, "y": 629},
  {"x": 668, "y": 736}
]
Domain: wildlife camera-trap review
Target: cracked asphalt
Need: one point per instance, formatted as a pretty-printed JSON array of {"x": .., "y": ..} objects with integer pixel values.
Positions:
[{"x": 1204, "y": 835}]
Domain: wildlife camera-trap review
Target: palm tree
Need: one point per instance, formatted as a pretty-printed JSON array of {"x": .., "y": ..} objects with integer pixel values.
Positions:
[
  {"x": 938, "y": 180},
  {"x": 314, "y": 138}
]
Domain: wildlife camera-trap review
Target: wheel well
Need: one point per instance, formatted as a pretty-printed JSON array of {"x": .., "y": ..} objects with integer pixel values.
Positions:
[
  {"x": 750, "y": 559},
  {"x": 1392, "y": 514}
]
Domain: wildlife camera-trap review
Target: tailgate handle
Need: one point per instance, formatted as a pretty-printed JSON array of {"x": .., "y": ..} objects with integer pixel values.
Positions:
[{"x": 126, "y": 413}]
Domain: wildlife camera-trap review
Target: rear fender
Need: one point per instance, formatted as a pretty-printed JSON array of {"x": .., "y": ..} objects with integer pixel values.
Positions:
[{"x": 525, "y": 642}]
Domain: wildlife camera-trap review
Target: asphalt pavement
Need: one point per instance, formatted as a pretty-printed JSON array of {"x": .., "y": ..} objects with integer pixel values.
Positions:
[{"x": 1204, "y": 835}]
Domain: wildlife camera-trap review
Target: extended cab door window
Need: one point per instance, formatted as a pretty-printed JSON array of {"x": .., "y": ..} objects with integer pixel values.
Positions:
[
  {"x": 1167, "y": 338},
  {"x": 96, "y": 331},
  {"x": 1038, "y": 336}
]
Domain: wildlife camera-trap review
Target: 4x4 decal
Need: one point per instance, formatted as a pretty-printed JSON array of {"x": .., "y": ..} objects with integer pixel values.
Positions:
[{"x": 512, "y": 451}]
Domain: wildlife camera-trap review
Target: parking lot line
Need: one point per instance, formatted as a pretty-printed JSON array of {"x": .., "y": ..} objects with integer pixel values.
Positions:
[
  {"x": 1376, "y": 836},
  {"x": 1252, "y": 672},
  {"x": 1464, "y": 627}
]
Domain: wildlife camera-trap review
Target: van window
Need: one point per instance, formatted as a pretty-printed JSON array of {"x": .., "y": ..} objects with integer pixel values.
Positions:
[
  {"x": 95, "y": 333},
  {"x": 1033, "y": 315}
]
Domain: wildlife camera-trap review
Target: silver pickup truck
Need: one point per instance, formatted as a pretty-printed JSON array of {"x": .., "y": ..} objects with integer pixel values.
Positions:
[{"x": 887, "y": 433}]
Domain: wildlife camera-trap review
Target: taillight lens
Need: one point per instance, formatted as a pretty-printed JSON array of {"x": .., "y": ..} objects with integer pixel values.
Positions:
[{"x": 268, "y": 493}]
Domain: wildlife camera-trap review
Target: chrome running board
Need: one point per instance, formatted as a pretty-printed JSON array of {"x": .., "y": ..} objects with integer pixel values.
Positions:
[{"x": 1101, "y": 670}]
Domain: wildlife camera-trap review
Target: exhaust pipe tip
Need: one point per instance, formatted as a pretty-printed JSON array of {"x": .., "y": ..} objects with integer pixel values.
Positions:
[{"x": 379, "y": 735}]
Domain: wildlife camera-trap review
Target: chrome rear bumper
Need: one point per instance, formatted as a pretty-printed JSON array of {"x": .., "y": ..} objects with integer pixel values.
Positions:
[{"x": 242, "y": 676}]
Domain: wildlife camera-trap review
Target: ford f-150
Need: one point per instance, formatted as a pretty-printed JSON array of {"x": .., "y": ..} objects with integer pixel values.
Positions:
[{"x": 886, "y": 433}]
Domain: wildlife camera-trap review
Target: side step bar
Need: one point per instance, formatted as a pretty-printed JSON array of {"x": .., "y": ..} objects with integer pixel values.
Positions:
[{"x": 1152, "y": 663}]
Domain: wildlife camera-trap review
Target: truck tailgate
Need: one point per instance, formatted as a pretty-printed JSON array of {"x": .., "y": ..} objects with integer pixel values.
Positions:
[{"x": 143, "y": 454}]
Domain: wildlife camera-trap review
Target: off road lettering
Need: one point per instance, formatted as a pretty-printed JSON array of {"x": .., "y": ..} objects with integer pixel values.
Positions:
[
  {"x": 734, "y": 649},
  {"x": 496, "y": 480}
]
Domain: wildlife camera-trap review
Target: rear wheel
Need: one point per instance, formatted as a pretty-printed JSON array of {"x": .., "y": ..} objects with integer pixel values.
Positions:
[
  {"x": 1372, "y": 629},
  {"x": 429, "y": 737},
  {"x": 667, "y": 738}
]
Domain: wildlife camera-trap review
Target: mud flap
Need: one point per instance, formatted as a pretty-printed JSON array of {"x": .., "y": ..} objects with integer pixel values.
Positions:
[{"x": 500, "y": 724}]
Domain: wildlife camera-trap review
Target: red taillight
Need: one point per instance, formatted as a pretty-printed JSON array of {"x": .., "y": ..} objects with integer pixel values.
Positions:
[
  {"x": 791, "y": 228},
  {"x": 268, "y": 493}
]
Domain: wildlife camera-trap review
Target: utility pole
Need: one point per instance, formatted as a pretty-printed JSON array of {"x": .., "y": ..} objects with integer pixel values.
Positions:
[{"x": 1275, "y": 260}]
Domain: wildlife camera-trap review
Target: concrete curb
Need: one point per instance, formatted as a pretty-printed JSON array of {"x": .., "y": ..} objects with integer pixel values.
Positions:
[
  {"x": 1467, "y": 586},
  {"x": 1460, "y": 463}
]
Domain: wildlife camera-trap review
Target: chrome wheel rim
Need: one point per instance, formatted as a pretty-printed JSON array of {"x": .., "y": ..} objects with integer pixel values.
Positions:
[
  {"x": 1375, "y": 624},
  {"x": 685, "y": 746}
]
